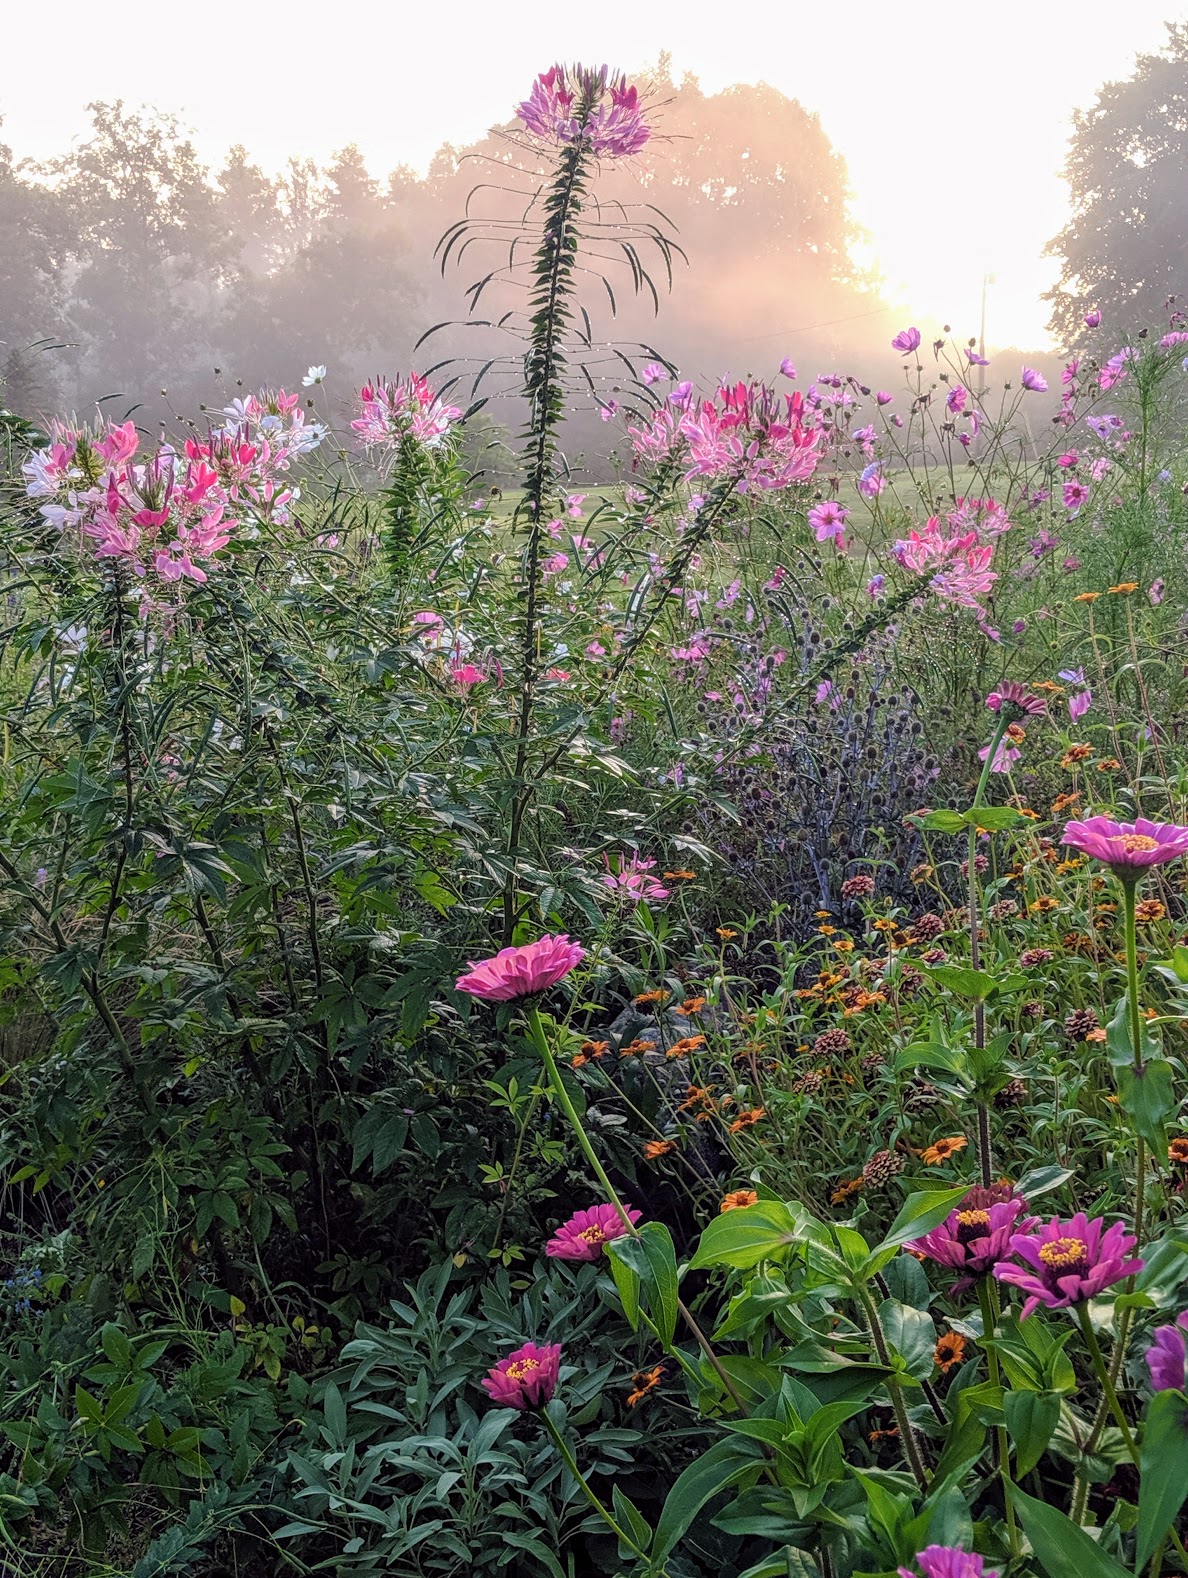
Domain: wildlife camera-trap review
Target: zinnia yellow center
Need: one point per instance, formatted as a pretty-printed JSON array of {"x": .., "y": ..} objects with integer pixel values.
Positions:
[
  {"x": 1134, "y": 843},
  {"x": 1064, "y": 1254},
  {"x": 593, "y": 1234},
  {"x": 521, "y": 1369}
]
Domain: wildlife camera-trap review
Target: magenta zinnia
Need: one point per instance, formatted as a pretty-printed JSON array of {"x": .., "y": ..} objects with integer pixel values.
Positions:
[
  {"x": 1015, "y": 695},
  {"x": 526, "y": 1378},
  {"x": 1165, "y": 1357},
  {"x": 948, "y": 1561},
  {"x": 974, "y": 1237},
  {"x": 1127, "y": 847},
  {"x": 587, "y": 1233},
  {"x": 1066, "y": 1263},
  {"x": 521, "y": 972}
]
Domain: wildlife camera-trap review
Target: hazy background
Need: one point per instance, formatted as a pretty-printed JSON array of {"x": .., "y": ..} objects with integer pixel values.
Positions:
[{"x": 255, "y": 191}]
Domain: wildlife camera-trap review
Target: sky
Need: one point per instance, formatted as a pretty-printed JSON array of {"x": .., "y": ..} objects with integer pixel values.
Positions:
[{"x": 953, "y": 117}]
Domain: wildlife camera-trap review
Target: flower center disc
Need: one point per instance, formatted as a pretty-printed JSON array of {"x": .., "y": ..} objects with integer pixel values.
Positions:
[{"x": 1065, "y": 1255}]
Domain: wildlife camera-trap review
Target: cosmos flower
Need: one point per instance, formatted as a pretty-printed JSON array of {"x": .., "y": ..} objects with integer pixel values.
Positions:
[
  {"x": 587, "y": 1233},
  {"x": 906, "y": 341},
  {"x": 1066, "y": 1263},
  {"x": 828, "y": 520},
  {"x": 514, "y": 973},
  {"x": 1092, "y": 319},
  {"x": 527, "y": 1378},
  {"x": 1034, "y": 381}
]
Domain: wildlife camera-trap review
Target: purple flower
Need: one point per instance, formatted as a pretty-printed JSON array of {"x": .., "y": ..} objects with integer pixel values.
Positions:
[
  {"x": 883, "y": 398},
  {"x": 653, "y": 373},
  {"x": 1079, "y": 704},
  {"x": 977, "y": 1235},
  {"x": 514, "y": 973},
  {"x": 1066, "y": 1263},
  {"x": 1032, "y": 380},
  {"x": 948, "y": 1561},
  {"x": 875, "y": 586},
  {"x": 1165, "y": 1357},
  {"x": 1127, "y": 847},
  {"x": 682, "y": 394},
  {"x": 975, "y": 360},
  {"x": 787, "y": 368},
  {"x": 1074, "y": 495},
  {"x": 872, "y": 481},
  {"x": 906, "y": 341},
  {"x": 1155, "y": 592},
  {"x": 587, "y": 1233},
  {"x": 1016, "y": 695},
  {"x": 1092, "y": 319}
]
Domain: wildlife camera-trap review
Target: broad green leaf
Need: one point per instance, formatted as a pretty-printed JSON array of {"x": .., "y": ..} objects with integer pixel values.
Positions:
[
  {"x": 1039, "y": 1181},
  {"x": 994, "y": 818},
  {"x": 1062, "y": 1547},
  {"x": 1147, "y": 1095},
  {"x": 745, "y": 1237},
  {"x": 941, "y": 821},
  {"x": 631, "y": 1519},
  {"x": 920, "y": 1213},
  {"x": 911, "y": 1334},
  {"x": 723, "y": 1465},
  {"x": 1164, "y": 1466},
  {"x": 650, "y": 1255},
  {"x": 1031, "y": 1417}
]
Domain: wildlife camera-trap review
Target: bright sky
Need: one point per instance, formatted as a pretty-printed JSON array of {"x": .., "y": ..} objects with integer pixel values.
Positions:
[{"x": 952, "y": 116}]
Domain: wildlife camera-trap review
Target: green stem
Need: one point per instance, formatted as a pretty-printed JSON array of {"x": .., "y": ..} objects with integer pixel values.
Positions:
[
  {"x": 1109, "y": 1391},
  {"x": 1002, "y": 1450},
  {"x": 894, "y": 1387},
  {"x": 599, "y": 1507},
  {"x": 985, "y": 1157},
  {"x": 1129, "y": 898},
  {"x": 537, "y": 1030}
]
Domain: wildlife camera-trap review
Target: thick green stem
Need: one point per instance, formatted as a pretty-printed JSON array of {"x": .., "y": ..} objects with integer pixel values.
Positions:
[
  {"x": 1002, "y": 1450},
  {"x": 911, "y": 1446},
  {"x": 1105, "y": 1380},
  {"x": 985, "y": 1157},
  {"x": 1129, "y": 898},
  {"x": 603, "y": 1512}
]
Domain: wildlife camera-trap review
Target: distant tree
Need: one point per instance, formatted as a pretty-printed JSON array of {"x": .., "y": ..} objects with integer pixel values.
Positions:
[
  {"x": 1124, "y": 251},
  {"x": 33, "y": 248}
]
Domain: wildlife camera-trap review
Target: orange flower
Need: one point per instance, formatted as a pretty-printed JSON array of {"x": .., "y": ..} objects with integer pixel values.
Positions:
[
  {"x": 1177, "y": 1152},
  {"x": 844, "y": 945},
  {"x": 1109, "y": 764},
  {"x": 1065, "y": 802},
  {"x": 651, "y": 997},
  {"x": 643, "y": 1382},
  {"x": 637, "y": 1048},
  {"x": 826, "y": 931},
  {"x": 656, "y": 1148},
  {"x": 1043, "y": 904},
  {"x": 738, "y": 1200},
  {"x": 1075, "y": 754},
  {"x": 747, "y": 1120},
  {"x": 1125, "y": 587},
  {"x": 1148, "y": 910},
  {"x": 686, "y": 1045},
  {"x": 595, "y": 1048},
  {"x": 726, "y": 934},
  {"x": 696, "y": 1096},
  {"x": 949, "y": 1351},
  {"x": 823, "y": 914},
  {"x": 1096, "y": 1035},
  {"x": 883, "y": 1435},
  {"x": 844, "y": 1190},
  {"x": 578, "y": 1060},
  {"x": 1087, "y": 597},
  {"x": 942, "y": 1150},
  {"x": 680, "y": 876},
  {"x": 691, "y": 1005}
]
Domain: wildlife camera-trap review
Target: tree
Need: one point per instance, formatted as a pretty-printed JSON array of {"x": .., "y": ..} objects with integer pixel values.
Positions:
[{"x": 1125, "y": 249}]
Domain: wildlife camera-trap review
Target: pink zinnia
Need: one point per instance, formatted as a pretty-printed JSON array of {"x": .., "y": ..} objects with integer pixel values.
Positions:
[
  {"x": 1126, "y": 847},
  {"x": 521, "y": 972},
  {"x": 1016, "y": 695},
  {"x": 1069, "y": 1262},
  {"x": 1166, "y": 1355},
  {"x": 906, "y": 341},
  {"x": 974, "y": 1237},
  {"x": 587, "y": 1233},
  {"x": 948, "y": 1561},
  {"x": 1032, "y": 380},
  {"x": 527, "y": 1378}
]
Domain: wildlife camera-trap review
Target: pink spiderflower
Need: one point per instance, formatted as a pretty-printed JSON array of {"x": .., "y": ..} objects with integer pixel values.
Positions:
[
  {"x": 1166, "y": 1355},
  {"x": 514, "y": 973},
  {"x": 632, "y": 880},
  {"x": 587, "y": 104},
  {"x": 1066, "y": 1263},
  {"x": 948, "y": 1561},
  {"x": 392, "y": 412},
  {"x": 587, "y": 1233},
  {"x": 467, "y": 677},
  {"x": 527, "y": 1378},
  {"x": 975, "y": 1236},
  {"x": 1128, "y": 847}
]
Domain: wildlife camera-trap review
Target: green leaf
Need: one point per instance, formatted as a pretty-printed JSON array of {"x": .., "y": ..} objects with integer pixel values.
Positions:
[
  {"x": 1164, "y": 1468},
  {"x": 631, "y": 1519},
  {"x": 650, "y": 1255},
  {"x": 744, "y": 1237},
  {"x": 116, "y": 1346},
  {"x": 723, "y": 1465},
  {"x": 1062, "y": 1548},
  {"x": 941, "y": 821},
  {"x": 1148, "y": 1096},
  {"x": 1039, "y": 1181},
  {"x": 919, "y": 1214},
  {"x": 975, "y": 985},
  {"x": 994, "y": 818},
  {"x": 1031, "y": 1417},
  {"x": 911, "y": 1334}
]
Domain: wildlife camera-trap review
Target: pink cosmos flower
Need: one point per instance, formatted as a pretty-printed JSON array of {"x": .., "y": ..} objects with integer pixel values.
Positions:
[
  {"x": 1128, "y": 847},
  {"x": 521, "y": 972},
  {"x": 948, "y": 1561},
  {"x": 1034, "y": 381},
  {"x": 583, "y": 103},
  {"x": 1007, "y": 753},
  {"x": 587, "y": 1233},
  {"x": 906, "y": 341},
  {"x": 1079, "y": 704},
  {"x": 653, "y": 373},
  {"x": 1092, "y": 319},
  {"x": 527, "y": 1378},
  {"x": 1155, "y": 592},
  {"x": 1065, "y": 1263},
  {"x": 974, "y": 1237},
  {"x": 872, "y": 482},
  {"x": 1074, "y": 495},
  {"x": 975, "y": 360},
  {"x": 828, "y": 520},
  {"x": 1166, "y": 1355},
  {"x": 957, "y": 398},
  {"x": 787, "y": 368},
  {"x": 1016, "y": 695}
]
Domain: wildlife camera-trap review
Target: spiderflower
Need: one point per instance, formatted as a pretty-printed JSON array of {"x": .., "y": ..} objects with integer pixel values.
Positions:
[
  {"x": 633, "y": 880},
  {"x": 520, "y": 972},
  {"x": 527, "y": 1378},
  {"x": 1128, "y": 847},
  {"x": 391, "y": 412},
  {"x": 1065, "y": 1263},
  {"x": 1166, "y": 1355},
  {"x": 587, "y": 1233},
  {"x": 589, "y": 104},
  {"x": 948, "y": 1561}
]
